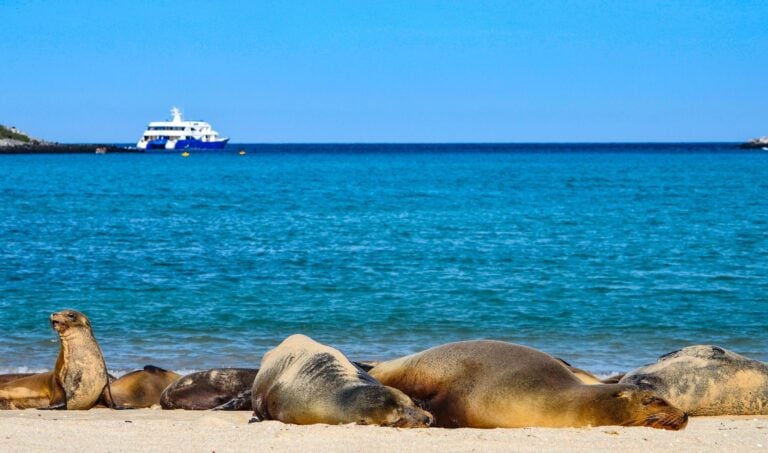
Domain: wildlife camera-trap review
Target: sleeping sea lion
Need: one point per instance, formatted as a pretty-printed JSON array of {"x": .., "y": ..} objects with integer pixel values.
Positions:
[
  {"x": 79, "y": 378},
  {"x": 493, "y": 384},
  {"x": 707, "y": 380},
  {"x": 304, "y": 382},
  {"x": 141, "y": 388},
  {"x": 218, "y": 388}
]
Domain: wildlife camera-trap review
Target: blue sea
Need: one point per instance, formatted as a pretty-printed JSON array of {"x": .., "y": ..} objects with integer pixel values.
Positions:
[{"x": 605, "y": 255}]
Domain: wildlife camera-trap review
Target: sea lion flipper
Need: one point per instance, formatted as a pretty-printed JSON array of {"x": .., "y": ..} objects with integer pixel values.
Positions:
[
  {"x": 241, "y": 402},
  {"x": 54, "y": 407},
  {"x": 107, "y": 400}
]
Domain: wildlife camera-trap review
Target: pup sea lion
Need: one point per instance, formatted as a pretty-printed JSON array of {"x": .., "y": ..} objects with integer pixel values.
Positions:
[
  {"x": 493, "y": 384},
  {"x": 218, "y": 388},
  {"x": 141, "y": 388},
  {"x": 79, "y": 378},
  {"x": 707, "y": 380},
  {"x": 304, "y": 382}
]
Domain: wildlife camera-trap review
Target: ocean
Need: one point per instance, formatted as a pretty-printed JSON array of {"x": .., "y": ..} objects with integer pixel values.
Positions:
[{"x": 607, "y": 256}]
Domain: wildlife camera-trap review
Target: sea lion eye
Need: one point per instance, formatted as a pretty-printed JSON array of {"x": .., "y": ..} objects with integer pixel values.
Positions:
[{"x": 71, "y": 316}]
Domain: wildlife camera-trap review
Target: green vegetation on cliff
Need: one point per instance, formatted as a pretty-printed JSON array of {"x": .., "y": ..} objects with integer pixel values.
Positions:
[{"x": 13, "y": 135}]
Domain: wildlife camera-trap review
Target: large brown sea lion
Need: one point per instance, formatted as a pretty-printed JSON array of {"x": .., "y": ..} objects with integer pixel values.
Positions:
[
  {"x": 490, "y": 384},
  {"x": 79, "y": 378},
  {"x": 304, "y": 382},
  {"x": 141, "y": 388},
  {"x": 218, "y": 388},
  {"x": 707, "y": 380}
]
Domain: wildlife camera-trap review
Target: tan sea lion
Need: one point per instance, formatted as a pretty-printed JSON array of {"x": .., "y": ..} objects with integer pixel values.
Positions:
[
  {"x": 493, "y": 384},
  {"x": 79, "y": 378},
  {"x": 707, "y": 380},
  {"x": 304, "y": 382},
  {"x": 141, "y": 388},
  {"x": 218, "y": 388}
]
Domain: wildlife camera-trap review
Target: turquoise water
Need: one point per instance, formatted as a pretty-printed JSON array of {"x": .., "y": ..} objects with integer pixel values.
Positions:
[{"x": 607, "y": 256}]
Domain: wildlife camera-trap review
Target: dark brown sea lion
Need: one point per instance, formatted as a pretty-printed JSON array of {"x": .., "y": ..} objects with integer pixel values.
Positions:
[
  {"x": 141, "y": 388},
  {"x": 493, "y": 384},
  {"x": 304, "y": 382},
  {"x": 79, "y": 379},
  {"x": 218, "y": 388},
  {"x": 707, "y": 380}
]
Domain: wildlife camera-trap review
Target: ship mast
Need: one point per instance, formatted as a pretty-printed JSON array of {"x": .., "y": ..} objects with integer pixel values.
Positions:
[{"x": 176, "y": 115}]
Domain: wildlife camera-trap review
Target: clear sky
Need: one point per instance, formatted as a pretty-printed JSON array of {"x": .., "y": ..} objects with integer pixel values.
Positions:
[{"x": 388, "y": 70}]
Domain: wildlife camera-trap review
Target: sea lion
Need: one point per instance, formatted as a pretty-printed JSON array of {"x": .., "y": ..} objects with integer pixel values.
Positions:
[
  {"x": 707, "y": 380},
  {"x": 304, "y": 382},
  {"x": 493, "y": 384},
  {"x": 12, "y": 377},
  {"x": 79, "y": 379},
  {"x": 141, "y": 388},
  {"x": 218, "y": 388},
  {"x": 584, "y": 376}
]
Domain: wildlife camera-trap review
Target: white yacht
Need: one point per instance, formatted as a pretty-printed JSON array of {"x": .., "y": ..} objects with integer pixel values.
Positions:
[{"x": 180, "y": 134}]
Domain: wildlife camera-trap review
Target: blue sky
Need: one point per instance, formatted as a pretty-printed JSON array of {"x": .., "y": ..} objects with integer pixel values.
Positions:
[{"x": 389, "y": 71}]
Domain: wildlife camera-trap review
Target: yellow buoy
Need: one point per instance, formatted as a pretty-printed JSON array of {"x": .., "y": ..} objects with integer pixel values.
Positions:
[
  {"x": 242, "y": 152},
  {"x": 185, "y": 154}
]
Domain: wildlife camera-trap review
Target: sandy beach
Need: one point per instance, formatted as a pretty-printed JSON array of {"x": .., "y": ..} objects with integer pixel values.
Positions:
[{"x": 156, "y": 430}]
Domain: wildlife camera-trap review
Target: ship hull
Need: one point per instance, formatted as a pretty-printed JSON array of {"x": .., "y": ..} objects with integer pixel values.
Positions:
[{"x": 163, "y": 145}]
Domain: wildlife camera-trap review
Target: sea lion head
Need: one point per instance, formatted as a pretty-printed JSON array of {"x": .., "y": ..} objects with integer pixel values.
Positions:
[
  {"x": 66, "y": 321},
  {"x": 384, "y": 406},
  {"x": 628, "y": 405}
]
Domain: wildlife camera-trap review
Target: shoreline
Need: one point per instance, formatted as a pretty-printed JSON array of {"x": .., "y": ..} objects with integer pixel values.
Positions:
[
  {"x": 206, "y": 431},
  {"x": 66, "y": 149}
]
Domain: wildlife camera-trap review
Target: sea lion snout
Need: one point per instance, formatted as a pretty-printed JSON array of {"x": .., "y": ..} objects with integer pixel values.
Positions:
[
  {"x": 417, "y": 418},
  {"x": 62, "y": 320},
  {"x": 661, "y": 414},
  {"x": 58, "y": 321},
  {"x": 673, "y": 420}
]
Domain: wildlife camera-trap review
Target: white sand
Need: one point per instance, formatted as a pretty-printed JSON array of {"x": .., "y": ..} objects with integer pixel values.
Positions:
[{"x": 157, "y": 430}]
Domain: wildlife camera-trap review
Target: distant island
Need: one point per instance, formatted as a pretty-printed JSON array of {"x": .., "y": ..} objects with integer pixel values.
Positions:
[
  {"x": 760, "y": 142},
  {"x": 14, "y": 141}
]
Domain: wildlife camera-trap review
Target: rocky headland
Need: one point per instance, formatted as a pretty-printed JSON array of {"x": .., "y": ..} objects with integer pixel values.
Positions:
[{"x": 14, "y": 141}]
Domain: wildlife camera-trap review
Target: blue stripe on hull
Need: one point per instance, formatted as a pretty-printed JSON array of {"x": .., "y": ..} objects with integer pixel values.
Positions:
[
  {"x": 199, "y": 144},
  {"x": 187, "y": 144},
  {"x": 156, "y": 144}
]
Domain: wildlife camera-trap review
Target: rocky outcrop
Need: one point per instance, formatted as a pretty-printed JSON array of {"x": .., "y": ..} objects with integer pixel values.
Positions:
[
  {"x": 760, "y": 142},
  {"x": 10, "y": 136},
  {"x": 14, "y": 141}
]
